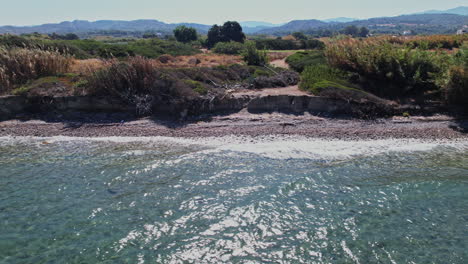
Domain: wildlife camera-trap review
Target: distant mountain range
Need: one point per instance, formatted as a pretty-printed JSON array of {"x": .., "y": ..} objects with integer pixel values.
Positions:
[
  {"x": 340, "y": 20},
  {"x": 252, "y": 27},
  {"x": 294, "y": 26},
  {"x": 433, "y": 21},
  {"x": 461, "y": 10},
  {"x": 83, "y": 26},
  {"x": 255, "y": 24}
]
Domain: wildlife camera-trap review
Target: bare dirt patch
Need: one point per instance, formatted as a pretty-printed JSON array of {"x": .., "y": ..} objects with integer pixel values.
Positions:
[{"x": 290, "y": 90}]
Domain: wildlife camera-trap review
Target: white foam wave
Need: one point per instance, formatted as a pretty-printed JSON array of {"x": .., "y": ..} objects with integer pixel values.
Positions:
[{"x": 275, "y": 147}]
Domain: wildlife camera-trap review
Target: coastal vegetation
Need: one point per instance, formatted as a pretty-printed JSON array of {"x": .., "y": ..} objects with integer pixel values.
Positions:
[
  {"x": 147, "y": 72},
  {"x": 289, "y": 44},
  {"x": 89, "y": 48},
  {"x": 230, "y": 31},
  {"x": 19, "y": 65},
  {"x": 302, "y": 59},
  {"x": 185, "y": 34},
  {"x": 231, "y": 48},
  {"x": 424, "y": 69}
]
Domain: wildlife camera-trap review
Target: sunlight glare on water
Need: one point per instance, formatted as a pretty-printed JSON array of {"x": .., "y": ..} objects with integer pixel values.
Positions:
[{"x": 232, "y": 200}]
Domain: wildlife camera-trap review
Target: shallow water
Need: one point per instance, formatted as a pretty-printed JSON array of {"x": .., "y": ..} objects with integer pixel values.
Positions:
[{"x": 232, "y": 200}]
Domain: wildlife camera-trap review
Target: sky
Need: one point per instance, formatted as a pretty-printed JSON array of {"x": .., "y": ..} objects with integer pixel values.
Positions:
[{"x": 34, "y": 12}]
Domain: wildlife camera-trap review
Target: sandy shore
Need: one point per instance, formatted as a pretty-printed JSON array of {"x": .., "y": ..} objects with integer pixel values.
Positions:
[{"x": 437, "y": 127}]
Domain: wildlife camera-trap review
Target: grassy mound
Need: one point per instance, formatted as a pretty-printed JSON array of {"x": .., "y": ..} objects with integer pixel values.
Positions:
[
  {"x": 300, "y": 60},
  {"x": 324, "y": 81}
]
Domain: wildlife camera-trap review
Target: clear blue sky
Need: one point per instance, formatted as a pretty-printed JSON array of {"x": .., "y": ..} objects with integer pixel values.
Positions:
[{"x": 32, "y": 12}]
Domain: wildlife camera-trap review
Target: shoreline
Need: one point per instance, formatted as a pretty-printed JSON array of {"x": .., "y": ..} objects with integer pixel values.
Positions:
[{"x": 242, "y": 124}]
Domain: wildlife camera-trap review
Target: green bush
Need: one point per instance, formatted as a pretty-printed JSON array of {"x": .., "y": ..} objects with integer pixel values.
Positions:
[
  {"x": 315, "y": 77},
  {"x": 457, "y": 88},
  {"x": 252, "y": 56},
  {"x": 262, "y": 72},
  {"x": 82, "y": 49},
  {"x": 313, "y": 44},
  {"x": 230, "y": 48},
  {"x": 277, "y": 44},
  {"x": 153, "y": 48},
  {"x": 286, "y": 44},
  {"x": 60, "y": 46},
  {"x": 197, "y": 86},
  {"x": 389, "y": 69},
  {"x": 185, "y": 34},
  {"x": 302, "y": 59}
]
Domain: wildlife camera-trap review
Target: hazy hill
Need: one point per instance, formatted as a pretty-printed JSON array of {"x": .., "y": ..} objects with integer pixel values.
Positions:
[
  {"x": 147, "y": 25},
  {"x": 448, "y": 20},
  {"x": 432, "y": 22},
  {"x": 461, "y": 10},
  {"x": 82, "y": 26},
  {"x": 254, "y": 24},
  {"x": 423, "y": 23},
  {"x": 294, "y": 26},
  {"x": 340, "y": 20}
]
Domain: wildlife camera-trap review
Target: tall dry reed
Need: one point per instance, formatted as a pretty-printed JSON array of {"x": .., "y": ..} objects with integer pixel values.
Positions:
[{"x": 18, "y": 65}]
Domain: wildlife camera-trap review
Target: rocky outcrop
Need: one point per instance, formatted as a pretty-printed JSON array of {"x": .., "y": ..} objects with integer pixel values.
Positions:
[
  {"x": 11, "y": 106},
  {"x": 297, "y": 104}
]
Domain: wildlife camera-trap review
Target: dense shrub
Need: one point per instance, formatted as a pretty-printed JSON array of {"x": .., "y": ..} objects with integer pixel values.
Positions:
[
  {"x": 277, "y": 44},
  {"x": 388, "y": 69},
  {"x": 153, "y": 48},
  {"x": 185, "y": 34},
  {"x": 288, "y": 44},
  {"x": 313, "y": 77},
  {"x": 60, "y": 46},
  {"x": 436, "y": 42},
  {"x": 82, "y": 49},
  {"x": 17, "y": 66},
  {"x": 252, "y": 56},
  {"x": 197, "y": 86},
  {"x": 313, "y": 44},
  {"x": 231, "y": 48},
  {"x": 457, "y": 88},
  {"x": 302, "y": 59},
  {"x": 229, "y": 31}
]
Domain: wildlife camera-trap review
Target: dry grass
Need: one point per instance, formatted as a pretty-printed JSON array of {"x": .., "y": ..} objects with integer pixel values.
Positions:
[
  {"x": 86, "y": 67},
  {"x": 279, "y": 55},
  {"x": 200, "y": 60},
  {"x": 17, "y": 66}
]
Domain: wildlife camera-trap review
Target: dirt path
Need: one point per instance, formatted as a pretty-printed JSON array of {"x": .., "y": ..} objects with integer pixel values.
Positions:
[
  {"x": 290, "y": 90},
  {"x": 280, "y": 63}
]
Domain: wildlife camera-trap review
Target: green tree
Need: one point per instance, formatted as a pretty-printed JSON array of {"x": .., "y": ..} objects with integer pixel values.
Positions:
[
  {"x": 214, "y": 36},
  {"x": 299, "y": 36},
  {"x": 185, "y": 34},
  {"x": 69, "y": 36},
  {"x": 230, "y": 31},
  {"x": 252, "y": 56},
  {"x": 363, "y": 32},
  {"x": 351, "y": 30}
]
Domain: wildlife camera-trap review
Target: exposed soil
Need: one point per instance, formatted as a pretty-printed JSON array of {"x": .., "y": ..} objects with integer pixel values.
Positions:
[
  {"x": 290, "y": 90},
  {"x": 242, "y": 123},
  {"x": 280, "y": 63}
]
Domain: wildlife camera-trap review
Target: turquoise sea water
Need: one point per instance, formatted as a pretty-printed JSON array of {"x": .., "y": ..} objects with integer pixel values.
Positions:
[{"x": 232, "y": 200}]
